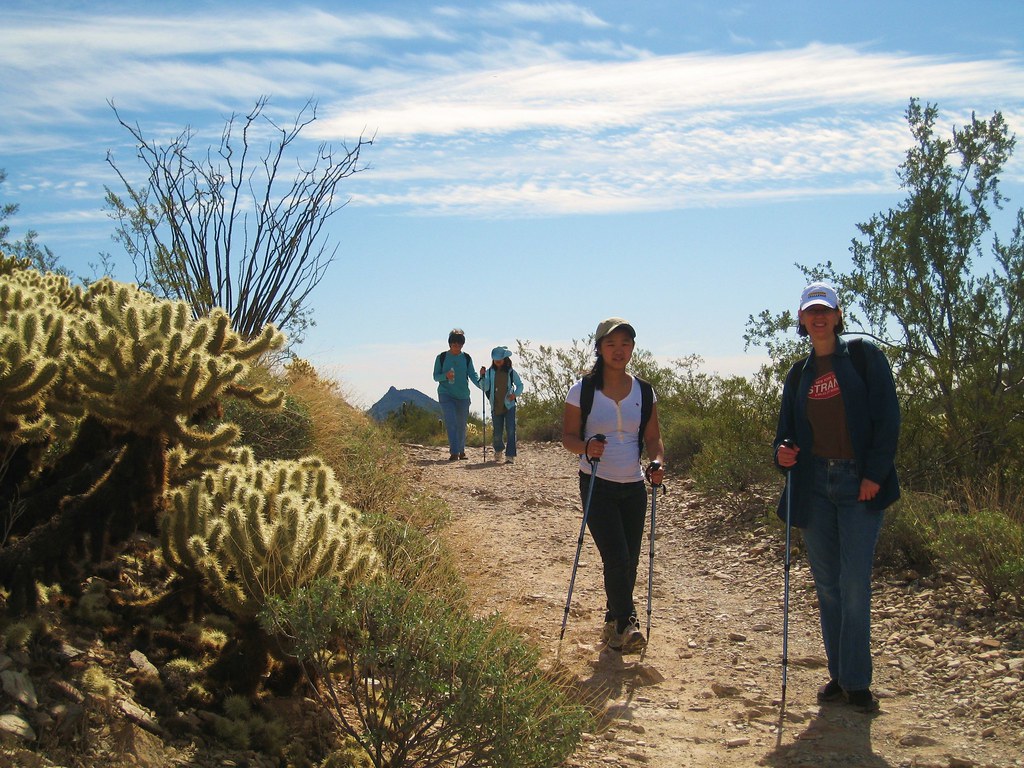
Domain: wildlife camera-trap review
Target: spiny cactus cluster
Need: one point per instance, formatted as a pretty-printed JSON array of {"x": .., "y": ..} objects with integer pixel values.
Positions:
[
  {"x": 147, "y": 366},
  {"x": 249, "y": 530},
  {"x": 32, "y": 348},
  {"x": 96, "y": 384}
]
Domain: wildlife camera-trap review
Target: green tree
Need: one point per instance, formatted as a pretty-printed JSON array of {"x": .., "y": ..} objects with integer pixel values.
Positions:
[
  {"x": 224, "y": 228},
  {"x": 27, "y": 249},
  {"x": 943, "y": 295}
]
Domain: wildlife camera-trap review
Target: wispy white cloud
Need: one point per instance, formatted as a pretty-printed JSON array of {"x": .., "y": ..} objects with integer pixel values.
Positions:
[{"x": 496, "y": 122}]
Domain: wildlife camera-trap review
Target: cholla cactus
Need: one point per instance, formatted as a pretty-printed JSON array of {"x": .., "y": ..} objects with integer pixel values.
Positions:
[
  {"x": 147, "y": 366},
  {"x": 32, "y": 339},
  {"x": 251, "y": 529}
]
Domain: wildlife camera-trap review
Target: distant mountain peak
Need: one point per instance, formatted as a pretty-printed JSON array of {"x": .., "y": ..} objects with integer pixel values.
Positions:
[{"x": 395, "y": 398}]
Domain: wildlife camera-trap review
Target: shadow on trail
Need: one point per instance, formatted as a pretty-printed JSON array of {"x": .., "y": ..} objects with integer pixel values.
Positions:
[
  {"x": 610, "y": 688},
  {"x": 834, "y": 737}
]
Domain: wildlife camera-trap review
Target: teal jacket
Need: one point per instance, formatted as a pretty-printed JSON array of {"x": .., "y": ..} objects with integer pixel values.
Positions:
[
  {"x": 462, "y": 364},
  {"x": 872, "y": 418},
  {"x": 515, "y": 386}
]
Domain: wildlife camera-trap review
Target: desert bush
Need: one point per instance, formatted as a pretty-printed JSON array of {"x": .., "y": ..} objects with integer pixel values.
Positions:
[
  {"x": 430, "y": 686},
  {"x": 412, "y": 424},
  {"x": 908, "y": 533},
  {"x": 739, "y": 425},
  {"x": 283, "y": 434},
  {"x": 986, "y": 543}
]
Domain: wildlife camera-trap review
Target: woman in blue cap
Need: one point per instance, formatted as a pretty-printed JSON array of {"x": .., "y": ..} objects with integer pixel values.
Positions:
[{"x": 502, "y": 385}]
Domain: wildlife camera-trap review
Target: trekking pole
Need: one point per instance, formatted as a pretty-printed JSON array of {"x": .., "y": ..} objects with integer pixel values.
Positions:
[
  {"x": 785, "y": 599},
  {"x": 652, "y": 467},
  {"x": 579, "y": 543},
  {"x": 483, "y": 419}
]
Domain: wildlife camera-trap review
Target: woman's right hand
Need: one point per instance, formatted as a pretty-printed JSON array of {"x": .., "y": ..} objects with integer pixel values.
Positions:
[
  {"x": 786, "y": 455},
  {"x": 594, "y": 448}
]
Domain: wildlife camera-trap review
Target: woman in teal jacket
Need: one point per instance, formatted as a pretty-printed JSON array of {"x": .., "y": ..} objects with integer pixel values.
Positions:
[
  {"x": 453, "y": 370},
  {"x": 841, "y": 414},
  {"x": 502, "y": 385}
]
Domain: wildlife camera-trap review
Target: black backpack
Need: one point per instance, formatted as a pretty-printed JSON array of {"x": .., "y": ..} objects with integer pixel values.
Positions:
[{"x": 646, "y": 406}]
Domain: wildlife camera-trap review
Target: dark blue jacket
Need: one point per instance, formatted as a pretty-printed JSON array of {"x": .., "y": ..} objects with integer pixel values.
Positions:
[{"x": 872, "y": 418}]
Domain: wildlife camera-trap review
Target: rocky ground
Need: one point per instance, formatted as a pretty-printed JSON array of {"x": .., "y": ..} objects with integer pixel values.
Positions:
[{"x": 707, "y": 691}]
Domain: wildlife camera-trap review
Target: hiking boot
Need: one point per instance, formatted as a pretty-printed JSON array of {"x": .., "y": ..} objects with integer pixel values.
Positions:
[
  {"x": 497, "y": 457},
  {"x": 830, "y": 692},
  {"x": 462, "y": 456},
  {"x": 863, "y": 701},
  {"x": 608, "y": 633},
  {"x": 453, "y": 457},
  {"x": 630, "y": 639}
]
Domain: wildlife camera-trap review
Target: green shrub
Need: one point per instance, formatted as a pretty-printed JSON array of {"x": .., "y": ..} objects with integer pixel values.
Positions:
[
  {"x": 736, "y": 446},
  {"x": 908, "y": 533},
  {"x": 431, "y": 686},
  {"x": 283, "y": 434},
  {"x": 413, "y": 424},
  {"x": 988, "y": 545}
]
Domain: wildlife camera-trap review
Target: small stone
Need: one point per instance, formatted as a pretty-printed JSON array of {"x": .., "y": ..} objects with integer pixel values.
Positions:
[
  {"x": 19, "y": 687},
  {"x": 737, "y": 742},
  {"x": 725, "y": 691},
  {"x": 736, "y": 637},
  {"x": 16, "y": 725},
  {"x": 917, "y": 740}
]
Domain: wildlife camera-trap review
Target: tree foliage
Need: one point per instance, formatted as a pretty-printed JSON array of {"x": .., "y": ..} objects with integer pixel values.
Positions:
[
  {"x": 943, "y": 295},
  {"x": 27, "y": 249},
  {"x": 226, "y": 228}
]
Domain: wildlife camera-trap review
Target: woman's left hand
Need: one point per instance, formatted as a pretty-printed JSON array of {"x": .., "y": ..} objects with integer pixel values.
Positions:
[{"x": 868, "y": 490}]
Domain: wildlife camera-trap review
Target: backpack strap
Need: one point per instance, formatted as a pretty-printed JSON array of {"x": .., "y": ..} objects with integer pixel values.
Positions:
[
  {"x": 586, "y": 403},
  {"x": 859, "y": 358}
]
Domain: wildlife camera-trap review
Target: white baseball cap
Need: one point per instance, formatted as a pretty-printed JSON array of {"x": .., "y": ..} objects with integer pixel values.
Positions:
[{"x": 819, "y": 293}]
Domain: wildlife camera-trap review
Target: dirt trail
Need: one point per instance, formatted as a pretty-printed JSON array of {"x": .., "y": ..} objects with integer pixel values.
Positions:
[{"x": 706, "y": 693}]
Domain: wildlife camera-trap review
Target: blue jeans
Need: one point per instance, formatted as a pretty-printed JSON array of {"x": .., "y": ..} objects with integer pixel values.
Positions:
[
  {"x": 456, "y": 414},
  {"x": 505, "y": 422},
  {"x": 616, "y": 522},
  {"x": 840, "y": 538}
]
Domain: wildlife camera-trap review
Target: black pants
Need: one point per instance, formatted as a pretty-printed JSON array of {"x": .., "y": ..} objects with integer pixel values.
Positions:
[{"x": 616, "y": 522}]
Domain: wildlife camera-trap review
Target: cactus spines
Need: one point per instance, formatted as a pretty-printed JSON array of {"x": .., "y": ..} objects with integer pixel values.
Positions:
[{"x": 251, "y": 529}]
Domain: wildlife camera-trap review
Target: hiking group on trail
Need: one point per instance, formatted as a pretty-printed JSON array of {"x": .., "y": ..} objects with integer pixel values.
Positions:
[{"x": 836, "y": 438}]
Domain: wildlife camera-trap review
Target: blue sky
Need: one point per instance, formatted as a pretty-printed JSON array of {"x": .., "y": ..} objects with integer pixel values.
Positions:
[{"x": 537, "y": 166}]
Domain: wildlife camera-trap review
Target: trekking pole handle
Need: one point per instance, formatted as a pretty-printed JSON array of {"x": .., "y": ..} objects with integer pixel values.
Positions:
[
  {"x": 654, "y": 466},
  {"x": 787, "y": 443},
  {"x": 586, "y": 448}
]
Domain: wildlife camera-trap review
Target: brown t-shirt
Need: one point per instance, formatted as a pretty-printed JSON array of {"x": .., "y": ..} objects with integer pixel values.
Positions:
[
  {"x": 827, "y": 414},
  {"x": 500, "y": 390}
]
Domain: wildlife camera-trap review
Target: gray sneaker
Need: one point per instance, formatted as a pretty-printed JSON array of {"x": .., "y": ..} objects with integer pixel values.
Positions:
[
  {"x": 510, "y": 459},
  {"x": 497, "y": 457},
  {"x": 630, "y": 639}
]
